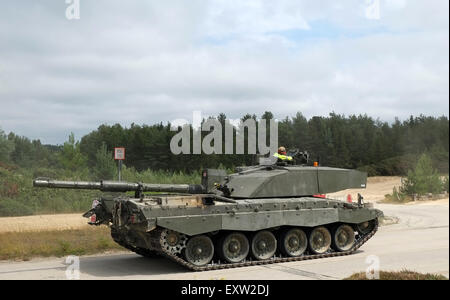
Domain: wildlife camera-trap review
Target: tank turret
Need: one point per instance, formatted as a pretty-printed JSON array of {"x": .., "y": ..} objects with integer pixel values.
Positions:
[{"x": 253, "y": 183}]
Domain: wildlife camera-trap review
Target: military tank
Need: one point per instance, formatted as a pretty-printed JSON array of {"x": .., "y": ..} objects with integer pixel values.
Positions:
[{"x": 264, "y": 214}]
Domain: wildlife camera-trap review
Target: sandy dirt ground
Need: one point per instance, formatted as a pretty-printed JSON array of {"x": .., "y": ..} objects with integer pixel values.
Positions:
[
  {"x": 377, "y": 188},
  {"x": 42, "y": 223}
]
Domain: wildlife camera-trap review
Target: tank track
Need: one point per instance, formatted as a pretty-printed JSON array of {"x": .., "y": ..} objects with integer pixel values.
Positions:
[
  {"x": 362, "y": 239},
  {"x": 141, "y": 251}
]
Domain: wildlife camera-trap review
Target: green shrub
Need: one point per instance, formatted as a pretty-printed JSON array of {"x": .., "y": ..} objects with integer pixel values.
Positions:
[
  {"x": 423, "y": 179},
  {"x": 12, "y": 208},
  {"x": 105, "y": 167},
  {"x": 397, "y": 197}
]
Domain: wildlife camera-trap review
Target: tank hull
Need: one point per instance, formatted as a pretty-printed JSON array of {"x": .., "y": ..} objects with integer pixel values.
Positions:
[
  {"x": 192, "y": 215},
  {"x": 147, "y": 225}
]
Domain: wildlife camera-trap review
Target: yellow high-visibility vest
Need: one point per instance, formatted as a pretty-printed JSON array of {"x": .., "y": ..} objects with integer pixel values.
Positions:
[{"x": 283, "y": 157}]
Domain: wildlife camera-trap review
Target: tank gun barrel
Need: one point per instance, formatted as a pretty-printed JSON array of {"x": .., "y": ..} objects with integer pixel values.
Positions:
[{"x": 118, "y": 186}]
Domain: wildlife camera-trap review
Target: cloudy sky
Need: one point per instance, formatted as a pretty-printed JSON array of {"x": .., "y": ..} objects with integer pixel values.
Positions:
[{"x": 150, "y": 61}]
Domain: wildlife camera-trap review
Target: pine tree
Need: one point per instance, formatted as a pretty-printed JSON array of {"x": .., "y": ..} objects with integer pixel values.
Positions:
[
  {"x": 71, "y": 158},
  {"x": 6, "y": 147},
  {"x": 423, "y": 179},
  {"x": 105, "y": 167}
]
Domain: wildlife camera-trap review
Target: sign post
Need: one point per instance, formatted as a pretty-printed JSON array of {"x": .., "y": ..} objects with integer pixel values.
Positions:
[{"x": 119, "y": 154}]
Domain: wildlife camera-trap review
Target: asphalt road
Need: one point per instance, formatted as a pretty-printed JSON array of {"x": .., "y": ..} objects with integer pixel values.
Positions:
[{"x": 419, "y": 242}]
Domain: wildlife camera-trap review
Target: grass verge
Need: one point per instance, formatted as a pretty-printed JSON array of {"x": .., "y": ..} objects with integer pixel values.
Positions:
[
  {"x": 402, "y": 275},
  {"x": 26, "y": 245}
]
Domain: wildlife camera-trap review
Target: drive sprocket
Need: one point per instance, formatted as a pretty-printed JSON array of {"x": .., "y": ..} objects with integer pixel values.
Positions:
[{"x": 172, "y": 241}]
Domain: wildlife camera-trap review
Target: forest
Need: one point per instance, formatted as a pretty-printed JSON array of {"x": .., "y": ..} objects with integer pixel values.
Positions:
[
  {"x": 355, "y": 141},
  {"x": 337, "y": 141}
]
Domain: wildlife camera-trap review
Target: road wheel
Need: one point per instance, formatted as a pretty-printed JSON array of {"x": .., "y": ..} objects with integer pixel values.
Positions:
[
  {"x": 234, "y": 247},
  {"x": 319, "y": 240},
  {"x": 293, "y": 242},
  {"x": 199, "y": 250},
  {"x": 264, "y": 245},
  {"x": 343, "y": 238}
]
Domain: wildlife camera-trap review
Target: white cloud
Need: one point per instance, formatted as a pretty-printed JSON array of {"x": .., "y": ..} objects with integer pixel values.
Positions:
[
  {"x": 395, "y": 4},
  {"x": 235, "y": 17},
  {"x": 159, "y": 61}
]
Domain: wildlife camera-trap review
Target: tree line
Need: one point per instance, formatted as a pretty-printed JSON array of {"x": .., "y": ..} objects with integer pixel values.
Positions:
[
  {"x": 359, "y": 142},
  {"x": 355, "y": 141}
]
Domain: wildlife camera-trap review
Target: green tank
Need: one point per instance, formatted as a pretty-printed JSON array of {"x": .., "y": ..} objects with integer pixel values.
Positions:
[{"x": 270, "y": 213}]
